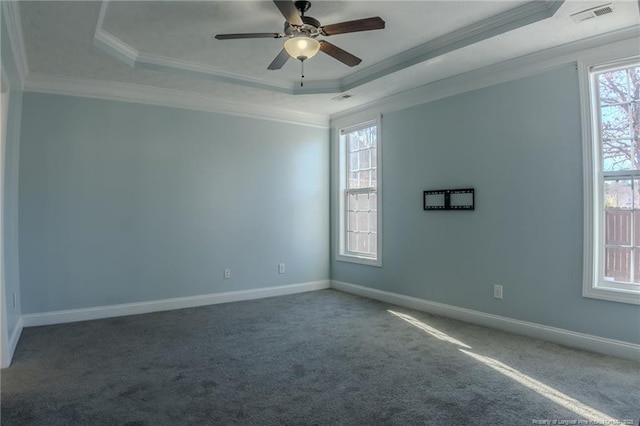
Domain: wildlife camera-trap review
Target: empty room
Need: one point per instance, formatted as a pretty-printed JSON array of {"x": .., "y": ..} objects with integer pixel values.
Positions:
[{"x": 327, "y": 212}]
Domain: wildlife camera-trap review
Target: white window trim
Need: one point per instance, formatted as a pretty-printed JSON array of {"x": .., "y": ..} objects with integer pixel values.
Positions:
[
  {"x": 5, "y": 355},
  {"x": 341, "y": 254},
  {"x": 592, "y": 286}
]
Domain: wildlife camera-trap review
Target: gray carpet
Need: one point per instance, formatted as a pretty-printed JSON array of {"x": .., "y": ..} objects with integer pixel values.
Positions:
[{"x": 323, "y": 357}]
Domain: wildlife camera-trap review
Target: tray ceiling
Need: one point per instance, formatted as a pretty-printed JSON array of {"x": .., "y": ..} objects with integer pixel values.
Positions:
[{"x": 170, "y": 45}]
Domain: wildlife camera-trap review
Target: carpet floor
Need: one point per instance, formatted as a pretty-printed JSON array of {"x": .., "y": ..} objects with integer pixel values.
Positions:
[{"x": 322, "y": 357}]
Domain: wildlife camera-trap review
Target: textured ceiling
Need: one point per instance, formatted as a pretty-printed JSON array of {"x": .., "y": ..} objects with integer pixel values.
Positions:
[
  {"x": 59, "y": 40},
  {"x": 185, "y": 32}
]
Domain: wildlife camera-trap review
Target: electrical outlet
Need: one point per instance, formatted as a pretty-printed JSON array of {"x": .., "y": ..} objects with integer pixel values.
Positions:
[
  {"x": 281, "y": 269},
  {"x": 497, "y": 291},
  {"x": 227, "y": 274}
]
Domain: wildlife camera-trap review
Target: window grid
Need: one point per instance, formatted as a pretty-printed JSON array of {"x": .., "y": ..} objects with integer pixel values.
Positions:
[
  {"x": 361, "y": 156},
  {"x": 622, "y": 245},
  {"x": 618, "y": 119},
  {"x": 360, "y": 195},
  {"x": 361, "y": 220}
]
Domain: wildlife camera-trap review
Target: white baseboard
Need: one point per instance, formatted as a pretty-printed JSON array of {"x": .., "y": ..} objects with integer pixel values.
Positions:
[
  {"x": 573, "y": 339},
  {"x": 85, "y": 314},
  {"x": 13, "y": 342}
]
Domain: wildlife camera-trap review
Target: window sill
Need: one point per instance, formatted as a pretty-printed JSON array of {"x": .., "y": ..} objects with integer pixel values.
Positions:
[
  {"x": 612, "y": 295},
  {"x": 359, "y": 260}
]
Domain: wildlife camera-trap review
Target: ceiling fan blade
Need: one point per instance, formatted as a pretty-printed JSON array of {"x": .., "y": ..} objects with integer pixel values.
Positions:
[
  {"x": 279, "y": 61},
  {"x": 339, "y": 54},
  {"x": 289, "y": 11},
  {"x": 365, "y": 24},
  {"x": 247, "y": 35}
]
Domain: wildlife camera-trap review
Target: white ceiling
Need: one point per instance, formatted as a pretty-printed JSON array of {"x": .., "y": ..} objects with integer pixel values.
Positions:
[{"x": 171, "y": 45}]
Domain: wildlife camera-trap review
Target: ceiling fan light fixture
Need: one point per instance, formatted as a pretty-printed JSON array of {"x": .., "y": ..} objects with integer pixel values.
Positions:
[{"x": 302, "y": 48}]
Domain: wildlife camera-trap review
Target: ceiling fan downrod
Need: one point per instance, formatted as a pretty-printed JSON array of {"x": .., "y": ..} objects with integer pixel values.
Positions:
[{"x": 303, "y": 6}]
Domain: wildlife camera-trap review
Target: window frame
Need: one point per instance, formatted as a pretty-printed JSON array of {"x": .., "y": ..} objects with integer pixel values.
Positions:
[
  {"x": 594, "y": 285},
  {"x": 342, "y": 254}
]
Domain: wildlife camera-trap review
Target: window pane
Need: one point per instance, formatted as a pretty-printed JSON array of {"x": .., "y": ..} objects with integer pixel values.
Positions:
[
  {"x": 373, "y": 243},
  {"x": 365, "y": 179},
  {"x": 352, "y": 242},
  {"x": 615, "y": 121},
  {"x": 617, "y": 194},
  {"x": 352, "y": 224},
  {"x": 636, "y": 275},
  {"x": 617, "y": 265},
  {"x": 363, "y": 243},
  {"x": 363, "y": 202},
  {"x": 618, "y": 154},
  {"x": 363, "y": 221},
  {"x": 614, "y": 86},
  {"x": 618, "y": 227},
  {"x": 353, "y": 162},
  {"x": 365, "y": 159},
  {"x": 634, "y": 74},
  {"x": 373, "y": 201},
  {"x": 353, "y": 180},
  {"x": 353, "y": 141},
  {"x": 353, "y": 202},
  {"x": 636, "y": 237},
  {"x": 619, "y": 119},
  {"x": 373, "y": 221},
  {"x": 367, "y": 137}
]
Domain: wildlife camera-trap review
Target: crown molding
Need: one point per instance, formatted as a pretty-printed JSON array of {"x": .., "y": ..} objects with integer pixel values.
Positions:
[
  {"x": 517, "y": 17},
  {"x": 132, "y": 57},
  {"x": 11, "y": 10},
  {"x": 618, "y": 43},
  {"x": 512, "y": 19},
  {"x": 198, "y": 69},
  {"x": 127, "y": 92},
  {"x": 115, "y": 47}
]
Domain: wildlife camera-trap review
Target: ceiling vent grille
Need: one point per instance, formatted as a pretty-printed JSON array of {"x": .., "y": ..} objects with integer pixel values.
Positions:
[
  {"x": 342, "y": 97},
  {"x": 592, "y": 13},
  {"x": 603, "y": 11}
]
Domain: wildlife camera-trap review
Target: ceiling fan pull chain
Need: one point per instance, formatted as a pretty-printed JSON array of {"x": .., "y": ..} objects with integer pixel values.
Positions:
[{"x": 301, "y": 73}]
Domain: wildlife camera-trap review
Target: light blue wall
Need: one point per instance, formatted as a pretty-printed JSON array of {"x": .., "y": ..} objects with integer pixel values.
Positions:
[
  {"x": 11, "y": 157},
  {"x": 122, "y": 202},
  {"x": 519, "y": 145}
]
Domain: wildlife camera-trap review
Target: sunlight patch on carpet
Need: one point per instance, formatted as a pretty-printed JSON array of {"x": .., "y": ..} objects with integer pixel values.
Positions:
[
  {"x": 547, "y": 391},
  {"x": 427, "y": 328}
]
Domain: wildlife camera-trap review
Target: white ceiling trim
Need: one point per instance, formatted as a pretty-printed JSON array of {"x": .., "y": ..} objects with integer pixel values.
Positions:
[
  {"x": 504, "y": 22},
  {"x": 115, "y": 47},
  {"x": 16, "y": 39},
  {"x": 617, "y": 44},
  {"x": 132, "y": 57},
  {"x": 197, "y": 69},
  {"x": 520, "y": 16},
  {"x": 126, "y": 92},
  {"x": 621, "y": 42}
]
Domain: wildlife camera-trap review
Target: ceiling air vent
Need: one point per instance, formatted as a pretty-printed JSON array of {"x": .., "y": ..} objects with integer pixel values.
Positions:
[
  {"x": 342, "y": 97},
  {"x": 594, "y": 12}
]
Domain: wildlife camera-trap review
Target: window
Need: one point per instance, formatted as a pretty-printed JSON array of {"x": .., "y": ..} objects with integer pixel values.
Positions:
[
  {"x": 614, "y": 166},
  {"x": 360, "y": 238}
]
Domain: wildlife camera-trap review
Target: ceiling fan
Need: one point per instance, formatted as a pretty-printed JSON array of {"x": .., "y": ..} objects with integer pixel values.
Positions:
[{"x": 301, "y": 32}]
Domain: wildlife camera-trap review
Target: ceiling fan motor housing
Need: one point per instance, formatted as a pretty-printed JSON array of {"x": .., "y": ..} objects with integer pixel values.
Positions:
[{"x": 310, "y": 28}]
